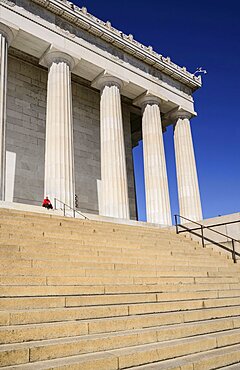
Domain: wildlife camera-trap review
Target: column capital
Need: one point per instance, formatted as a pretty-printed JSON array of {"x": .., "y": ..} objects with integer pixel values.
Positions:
[
  {"x": 108, "y": 79},
  {"x": 177, "y": 113},
  {"x": 7, "y": 33},
  {"x": 52, "y": 55},
  {"x": 149, "y": 98}
]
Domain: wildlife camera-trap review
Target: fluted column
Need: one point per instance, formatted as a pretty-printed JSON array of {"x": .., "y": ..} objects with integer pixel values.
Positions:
[
  {"x": 155, "y": 172},
  {"x": 6, "y": 36},
  {"x": 59, "y": 160},
  {"x": 187, "y": 179},
  {"x": 114, "y": 188}
]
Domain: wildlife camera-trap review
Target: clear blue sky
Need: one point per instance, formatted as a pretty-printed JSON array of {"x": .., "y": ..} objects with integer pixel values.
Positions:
[{"x": 194, "y": 33}]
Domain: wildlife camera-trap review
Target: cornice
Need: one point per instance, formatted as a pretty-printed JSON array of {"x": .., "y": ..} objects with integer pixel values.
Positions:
[{"x": 81, "y": 18}]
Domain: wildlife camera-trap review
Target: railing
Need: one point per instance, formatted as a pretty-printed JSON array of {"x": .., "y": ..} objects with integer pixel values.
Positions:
[
  {"x": 204, "y": 238},
  {"x": 66, "y": 207}
]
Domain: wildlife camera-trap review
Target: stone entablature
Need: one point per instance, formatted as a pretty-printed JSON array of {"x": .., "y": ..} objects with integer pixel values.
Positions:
[{"x": 81, "y": 18}]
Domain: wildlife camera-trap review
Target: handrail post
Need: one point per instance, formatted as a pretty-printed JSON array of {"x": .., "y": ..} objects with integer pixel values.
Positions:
[
  {"x": 176, "y": 223},
  {"x": 64, "y": 209},
  {"x": 233, "y": 252},
  {"x": 74, "y": 213},
  {"x": 55, "y": 203},
  {"x": 203, "y": 244}
]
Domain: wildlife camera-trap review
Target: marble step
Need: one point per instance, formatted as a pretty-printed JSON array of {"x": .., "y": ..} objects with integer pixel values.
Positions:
[
  {"x": 111, "y": 280},
  {"x": 45, "y": 331},
  {"x": 16, "y": 269},
  {"x": 121, "y": 259},
  {"x": 137, "y": 355},
  {"x": 33, "y": 248},
  {"x": 26, "y": 260},
  {"x": 21, "y": 303},
  {"x": 213, "y": 359},
  {"x": 121, "y": 323},
  {"x": 74, "y": 312},
  {"x": 64, "y": 347},
  {"x": 194, "y": 258},
  {"x": 32, "y": 289},
  {"x": 231, "y": 367}
]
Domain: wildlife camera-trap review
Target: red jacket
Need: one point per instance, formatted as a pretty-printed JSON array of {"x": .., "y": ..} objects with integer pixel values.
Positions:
[{"x": 46, "y": 202}]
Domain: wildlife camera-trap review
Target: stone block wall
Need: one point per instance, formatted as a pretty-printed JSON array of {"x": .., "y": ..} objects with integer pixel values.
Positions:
[
  {"x": 86, "y": 136},
  {"x": 25, "y": 136},
  {"x": 25, "y": 132}
]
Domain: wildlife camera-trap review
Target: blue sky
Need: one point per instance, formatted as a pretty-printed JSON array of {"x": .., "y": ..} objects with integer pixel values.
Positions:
[{"x": 194, "y": 33}]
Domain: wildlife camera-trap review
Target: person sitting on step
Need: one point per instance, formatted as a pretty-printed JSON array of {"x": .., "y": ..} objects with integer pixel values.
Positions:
[{"x": 46, "y": 203}]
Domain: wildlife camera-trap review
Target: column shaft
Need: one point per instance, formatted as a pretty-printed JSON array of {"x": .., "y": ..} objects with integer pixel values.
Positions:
[
  {"x": 114, "y": 189},
  {"x": 156, "y": 183},
  {"x": 59, "y": 162},
  {"x": 188, "y": 189},
  {"x": 3, "y": 93}
]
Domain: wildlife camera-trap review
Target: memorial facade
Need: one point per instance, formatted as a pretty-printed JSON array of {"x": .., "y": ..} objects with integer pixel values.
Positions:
[{"x": 76, "y": 96}]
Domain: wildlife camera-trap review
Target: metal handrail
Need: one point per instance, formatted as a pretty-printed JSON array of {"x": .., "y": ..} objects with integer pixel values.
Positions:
[
  {"x": 203, "y": 238},
  {"x": 64, "y": 209},
  {"x": 210, "y": 226}
]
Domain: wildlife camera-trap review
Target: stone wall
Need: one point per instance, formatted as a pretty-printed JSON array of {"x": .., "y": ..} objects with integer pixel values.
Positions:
[
  {"x": 25, "y": 133},
  {"x": 25, "y": 136},
  {"x": 86, "y": 138}
]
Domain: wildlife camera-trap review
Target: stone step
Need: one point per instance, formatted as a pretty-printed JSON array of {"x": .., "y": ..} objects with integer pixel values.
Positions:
[
  {"x": 56, "y": 220},
  {"x": 109, "y": 299},
  {"x": 18, "y": 290},
  {"x": 91, "y": 230},
  {"x": 137, "y": 355},
  {"x": 75, "y": 345},
  {"x": 170, "y": 287},
  {"x": 170, "y": 262},
  {"x": 75, "y": 301},
  {"x": 43, "y": 240},
  {"x": 112, "y": 324},
  {"x": 231, "y": 367},
  {"x": 213, "y": 359},
  {"x": 150, "y": 256},
  {"x": 44, "y": 331},
  {"x": 120, "y": 263},
  {"x": 98, "y": 250},
  {"x": 114, "y": 257},
  {"x": 109, "y": 280},
  {"x": 17, "y": 317},
  {"x": 98, "y": 240},
  {"x": 27, "y": 261},
  {"x": 29, "y": 270},
  {"x": 226, "y": 271},
  {"x": 71, "y": 248},
  {"x": 35, "y": 231}
]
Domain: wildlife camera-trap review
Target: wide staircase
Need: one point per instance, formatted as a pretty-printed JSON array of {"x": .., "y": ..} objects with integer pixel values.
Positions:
[{"x": 80, "y": 294}]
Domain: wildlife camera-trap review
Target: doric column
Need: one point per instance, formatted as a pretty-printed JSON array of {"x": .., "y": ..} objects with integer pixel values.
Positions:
[
  {"x": 155, "y": 172},
  {"x": 59, "y": 160},
  {"x": 114, "y": 189},
  {"x": 6, "y": 36},
  {"x": 188, "y": 189}
]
